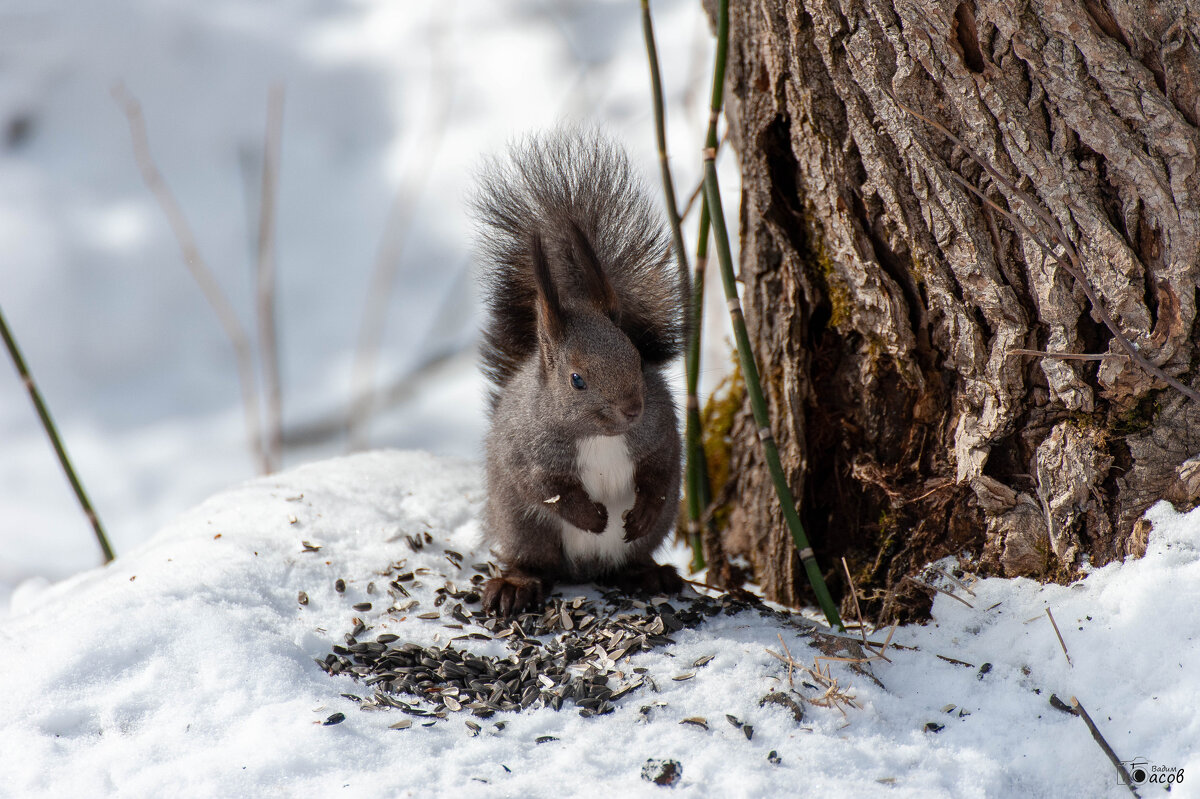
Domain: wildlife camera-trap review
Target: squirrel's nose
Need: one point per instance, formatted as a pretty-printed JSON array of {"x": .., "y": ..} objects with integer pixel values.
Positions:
[{"x": 632, "y": 410}]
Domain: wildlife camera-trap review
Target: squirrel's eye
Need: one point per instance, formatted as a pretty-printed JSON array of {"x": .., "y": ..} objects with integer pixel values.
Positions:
[{"x": 577, "y": 381}]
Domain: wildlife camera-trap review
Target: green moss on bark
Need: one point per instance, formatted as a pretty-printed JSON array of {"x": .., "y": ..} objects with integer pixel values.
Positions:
[{"x": 717, "y": 420}]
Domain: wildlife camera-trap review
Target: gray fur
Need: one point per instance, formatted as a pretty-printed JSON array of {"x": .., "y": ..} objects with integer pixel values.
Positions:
[
  {"x": 578, "y": 282},
  {"x": 550, "y": 186}
]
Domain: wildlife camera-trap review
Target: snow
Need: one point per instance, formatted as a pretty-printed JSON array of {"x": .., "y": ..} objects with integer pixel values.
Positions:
[{"x": 185, "y": 668}]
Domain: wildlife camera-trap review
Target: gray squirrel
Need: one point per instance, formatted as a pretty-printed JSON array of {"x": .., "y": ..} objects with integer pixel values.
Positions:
[{"x": 585, "y": 308}]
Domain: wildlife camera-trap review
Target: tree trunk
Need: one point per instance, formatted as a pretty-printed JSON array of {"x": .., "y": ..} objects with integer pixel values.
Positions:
[{"x": 884, "y": 299}]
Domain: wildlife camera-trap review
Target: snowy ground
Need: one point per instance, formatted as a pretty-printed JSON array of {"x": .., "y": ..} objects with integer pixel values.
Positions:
[
  {"x": 384, "y": 103},
  {"x": 186, "y": 669}
]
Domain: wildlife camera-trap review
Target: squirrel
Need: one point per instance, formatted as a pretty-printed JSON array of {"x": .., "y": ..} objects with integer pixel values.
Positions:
[{"x": 585, "y": 308}]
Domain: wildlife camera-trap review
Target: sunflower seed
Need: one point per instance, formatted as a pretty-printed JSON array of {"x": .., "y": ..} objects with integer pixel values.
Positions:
[{"x": 785, "y": 701}]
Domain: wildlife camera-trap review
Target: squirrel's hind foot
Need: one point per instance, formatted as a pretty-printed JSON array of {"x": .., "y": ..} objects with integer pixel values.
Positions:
[
  {"x": 512, "y": 593},
  {"x": 650, "y": 579}
]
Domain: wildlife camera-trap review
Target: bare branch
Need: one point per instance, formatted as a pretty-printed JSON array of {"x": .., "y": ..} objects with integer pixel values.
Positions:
[
  {"x": 267, "y": 343},
  {"x": 862, "y": 629},
  {"x": 1061, "y": 642},
  {"x": 401, "y": 389},
  {"x": 199, "y": 270},
  {"x": 915, "y": 581},
  {"x": 395, "y": 235},
  {"x": 1112, "y": 756}
]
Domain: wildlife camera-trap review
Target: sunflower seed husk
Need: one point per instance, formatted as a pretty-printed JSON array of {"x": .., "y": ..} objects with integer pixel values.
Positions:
[{"x": 566, "y": 653}]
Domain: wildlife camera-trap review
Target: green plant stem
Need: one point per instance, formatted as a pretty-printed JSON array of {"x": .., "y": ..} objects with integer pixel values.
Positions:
[
  {"x": 695, "y": 470},
  {"x": 712, "y": 211},
  {"x": 660, "y": 134},
  {"x": 758, "y": 403},
  {"x": 48, "y": 424},
  {"x": 699, "y": 488},
  {"x": 718, "y": 86},
  {"x": 699, "y": 493}
]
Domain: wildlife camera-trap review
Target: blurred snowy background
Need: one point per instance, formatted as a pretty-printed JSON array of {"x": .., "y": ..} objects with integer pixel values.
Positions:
[{"x": 387, "y": 109}]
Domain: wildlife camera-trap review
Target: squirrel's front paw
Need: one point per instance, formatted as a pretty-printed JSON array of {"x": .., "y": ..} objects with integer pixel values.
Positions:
[
  {"x": 580, "y": 511},
  {"x": 640, "y": 518},
  {"x": 598, "y": 520}
]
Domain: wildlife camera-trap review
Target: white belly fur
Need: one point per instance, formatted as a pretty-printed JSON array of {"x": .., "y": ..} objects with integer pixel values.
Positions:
[{"x": 606, "y": 471}]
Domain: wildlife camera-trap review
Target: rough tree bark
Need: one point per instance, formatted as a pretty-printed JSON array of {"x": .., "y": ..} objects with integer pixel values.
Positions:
[{"x": 885, "y": 299}]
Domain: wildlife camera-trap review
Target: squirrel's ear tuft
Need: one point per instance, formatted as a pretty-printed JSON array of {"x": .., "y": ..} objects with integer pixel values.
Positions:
[
  {"x": 550, "y": 322},
  {"x": 599, "y": 289}
]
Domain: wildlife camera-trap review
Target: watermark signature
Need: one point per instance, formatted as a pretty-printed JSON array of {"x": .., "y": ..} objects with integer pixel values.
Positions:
[{"x": 1142, "y": 772}]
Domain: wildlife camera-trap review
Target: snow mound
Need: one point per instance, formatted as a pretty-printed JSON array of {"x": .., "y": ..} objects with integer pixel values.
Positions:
[{"x": 187, "y": 668}]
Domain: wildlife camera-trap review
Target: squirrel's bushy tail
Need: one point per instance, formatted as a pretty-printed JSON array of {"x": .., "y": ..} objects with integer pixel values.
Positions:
[{"x": 549, "y": 185}]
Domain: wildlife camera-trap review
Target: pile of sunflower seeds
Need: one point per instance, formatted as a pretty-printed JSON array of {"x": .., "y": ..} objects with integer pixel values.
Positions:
[{"x": 571, "y": 650}]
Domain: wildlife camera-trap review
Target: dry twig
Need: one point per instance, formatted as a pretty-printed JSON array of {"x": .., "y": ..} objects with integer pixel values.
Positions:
[
  {"x": 915, "y": 581},
  {"x": 1069, "y": 356},
  {"x": 862, "y": 627},
  {"x": 956, "y": 661},
  {"x": 1112, "y": 756},
  {"x": 834, "y": 696},
  {"x": 791, "y": 664},
  {"x": 854, "y": 594},
  {"x": 196, "y": 265},
  {"x": 954, "y": 580},
  {"x": 1061, "y": 642},
  {"x": 265, "y": 279},
  {"x": 419, "y": 170}
]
